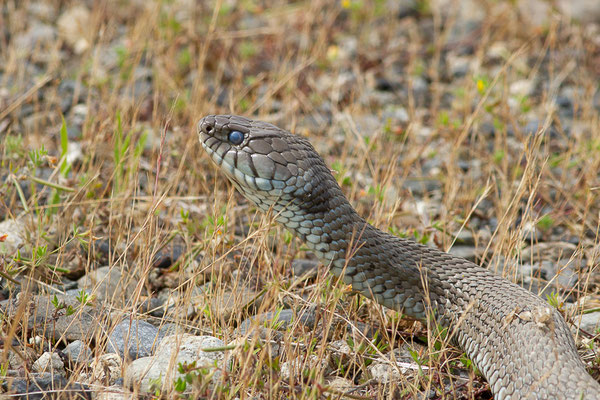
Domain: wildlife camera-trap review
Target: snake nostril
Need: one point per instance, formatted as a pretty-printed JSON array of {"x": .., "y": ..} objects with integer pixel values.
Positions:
[{"x": 208, "y": 129}]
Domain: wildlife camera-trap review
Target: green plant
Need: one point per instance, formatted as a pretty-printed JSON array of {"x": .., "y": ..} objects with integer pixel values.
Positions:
[
  {"x": 64, "y": 168},
  {"x": 60, "y": 305},
  {"x": 123, "y": 164},
  {"x": 197, "y": 377},
  {"x": 545, "y": 223},
  {"x": 84, "y": 298},
  {"x": 155, "y": 385}
]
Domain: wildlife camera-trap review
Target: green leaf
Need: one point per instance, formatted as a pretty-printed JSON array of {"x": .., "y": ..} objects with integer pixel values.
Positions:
[
  {"x": 64, "y": 138},
  {"x": 180, "y": 385}
]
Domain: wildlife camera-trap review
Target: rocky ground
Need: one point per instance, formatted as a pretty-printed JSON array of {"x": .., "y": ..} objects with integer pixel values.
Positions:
[{"x": 130, "y": 268}]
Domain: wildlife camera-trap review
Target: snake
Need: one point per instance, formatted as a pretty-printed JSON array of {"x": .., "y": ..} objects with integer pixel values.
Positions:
[{"x": 521, "y": 345}]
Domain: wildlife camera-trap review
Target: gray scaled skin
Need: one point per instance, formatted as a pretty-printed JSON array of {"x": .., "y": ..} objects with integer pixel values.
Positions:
[{"x": 522, "y": 346}]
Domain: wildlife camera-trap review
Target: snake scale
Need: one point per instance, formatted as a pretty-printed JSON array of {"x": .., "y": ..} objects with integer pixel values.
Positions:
[{"x": 521, "y": 345}]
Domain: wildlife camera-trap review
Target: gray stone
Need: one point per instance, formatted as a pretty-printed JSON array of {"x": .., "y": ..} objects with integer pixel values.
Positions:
[
  {"x": 296, "y": 368},
  {"x": 78, "y": 352},
  {"x": 106, "y": 369},
  {"x": 590, "y": 323},
  {"x": 280, "y": 320},
  {"x": 172, "y": 351},
  {"x": 541, "y": 13},
  {"x": 395, "y": 364},
  {"x": 114, "y": 392},
  {"x": 21, "y": 359},
  {"x": 467, "y": 252},
  {"x": 340, "y": 384},
  {"x": 49, "y": 362},
  {"x": 549, "y": 251},
  {"x": 109, "y": 283},
  {"x": 228, "y": 301},
  {"x": 42, "y": 11},
  {"x": 74, "y": 153},
  {"x": 37, "y": 386},
  {"x": 522, "y": 88},
  {"x": 74, "y": 26},
  {"x": 37, "y": 34},
  {"x": 458, "y": 66},
  {"x": 419, "y": 187},
  {"x": 13, "y": 232},
  {"x": 536, "y": 276},
  {"x": 464, "y": 237},
  {"x": 305, "y": 268},
  {"x": 69, "y": 321},
  {"x": 139, "y": 342},
  {"x": 395, "y": 114},
  {"x": 169, "y": 329}
]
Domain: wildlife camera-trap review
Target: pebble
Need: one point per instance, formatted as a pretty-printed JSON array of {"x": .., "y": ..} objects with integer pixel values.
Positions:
[
  {"x": 536, "y": 276},
  {"x": 78, "y": 352},
  {"x": 114, "y": 392},
  {"x": 106, "y": 369},
  {"x": 464, "y": 237},
  {"x": 341, "y": 353},
  {"x": 521, "y": 88},
  {"x": 24, "y": 359},
  {"x": 590, "y": 323},
  {"x": 79, "y": 114},
  {"x": 542, "y": 13},
  {"x": 73, "y": 26},
  {"x": 305, "y": 268},
  {"x": 38, "y": 34},
  {"x": 403, "y": 8},
  {"x": 135, "y": 343},
  {"x": 154, "y": 306},
  {"x": 281, "y": 320},
  {"x": 458, "y": 66},
  {"x": 383, "y": 370},
  {"x": 419, "y": 187},
  {"x": 172, "y": 351},
  {"x": 42, "y": 11},
  {"x": 296, "y": 370},
  {"x": 37, "y": 385},
  {"x": 467, "y": 252},
  {"x": 340, "y": 384},
  {"x": 550, "y": 251},
  {"x": 165, "y": 258},
  {"x": 396, "y": 114},
  {"x": 227, "y": 303},
  {"x": 13, "y": 232},
  {"x": 67, "y": 89},
  {"x": 74, "y": 153},
  {"x": 49, "y": 362},
  {"x": 45, "y": 320},
  {"x": 109, "y": 284},
  {"x": 530, "y": 233}
]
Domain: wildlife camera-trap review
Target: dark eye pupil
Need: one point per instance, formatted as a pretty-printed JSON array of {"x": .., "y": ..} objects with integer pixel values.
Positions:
[{"x": 236, "y": 137}]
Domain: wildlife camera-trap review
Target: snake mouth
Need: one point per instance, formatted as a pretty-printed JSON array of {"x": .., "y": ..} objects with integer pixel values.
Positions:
[{"x": 253, "y": 187}]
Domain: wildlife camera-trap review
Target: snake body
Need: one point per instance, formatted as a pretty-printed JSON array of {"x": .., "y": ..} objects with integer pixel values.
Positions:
[{"x": 521, "y": 345}]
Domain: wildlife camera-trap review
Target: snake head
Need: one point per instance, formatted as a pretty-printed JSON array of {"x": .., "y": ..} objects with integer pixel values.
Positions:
[
  {"x": 270, "y": 166},
  {"x": 267, "y": 164}
]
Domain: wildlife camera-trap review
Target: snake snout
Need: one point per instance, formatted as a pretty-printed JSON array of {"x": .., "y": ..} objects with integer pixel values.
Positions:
[{"x": 206, "y": 127}]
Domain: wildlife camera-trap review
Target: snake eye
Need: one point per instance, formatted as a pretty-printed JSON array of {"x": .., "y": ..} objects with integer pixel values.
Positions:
[{"x": 235, "y": 137}]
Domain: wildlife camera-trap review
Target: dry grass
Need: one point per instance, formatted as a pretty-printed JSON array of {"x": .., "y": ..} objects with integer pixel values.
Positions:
[{"x": 284, "y": 63}]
